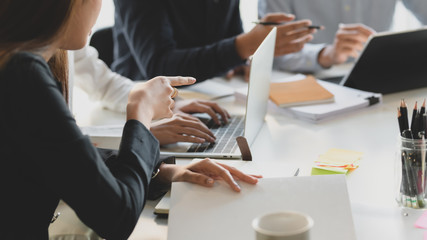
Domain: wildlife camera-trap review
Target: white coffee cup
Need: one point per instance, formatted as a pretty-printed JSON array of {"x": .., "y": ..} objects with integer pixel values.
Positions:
[{"x": 287, "y": 225}]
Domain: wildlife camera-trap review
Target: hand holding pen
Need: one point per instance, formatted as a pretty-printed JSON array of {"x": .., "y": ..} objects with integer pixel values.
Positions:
[
  {"x": 291, "y": 35},
  {"x": 318, "y": 27}
]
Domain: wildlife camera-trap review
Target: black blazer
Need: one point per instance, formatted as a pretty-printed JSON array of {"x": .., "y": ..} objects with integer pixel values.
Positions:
[
  {"x": 176, "y": 37},
  {"x": 44, "y": 157}
]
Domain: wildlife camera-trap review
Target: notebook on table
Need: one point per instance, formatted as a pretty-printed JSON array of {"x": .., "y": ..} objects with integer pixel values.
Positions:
[
  {"x": 250, "y": 124},
  {"x": 306, "y": 91}
]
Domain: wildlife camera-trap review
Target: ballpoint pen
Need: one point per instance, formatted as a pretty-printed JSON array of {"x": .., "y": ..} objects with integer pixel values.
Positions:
[
  {"x": 296, "y": 172},
  {"x": 281, "y": 23}
]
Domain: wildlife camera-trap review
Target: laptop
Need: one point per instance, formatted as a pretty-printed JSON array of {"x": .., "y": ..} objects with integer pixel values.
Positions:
[
  {"x": 216, "y": 213},
  {"x": 248, "y": 125},
  {"x": 391, "y": 62}
]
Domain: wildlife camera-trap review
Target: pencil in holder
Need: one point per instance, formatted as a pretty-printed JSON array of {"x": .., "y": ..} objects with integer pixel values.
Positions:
[{"x": 410, "y": 171}]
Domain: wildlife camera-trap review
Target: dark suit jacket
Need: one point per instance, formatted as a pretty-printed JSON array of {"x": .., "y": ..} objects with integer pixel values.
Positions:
[
  {"x": 176, "y": 37},
  {"x": 44, "y": 157}
]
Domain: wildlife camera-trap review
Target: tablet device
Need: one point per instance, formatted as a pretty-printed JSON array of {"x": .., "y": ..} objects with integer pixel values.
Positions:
[{"x": 391, "y": 62}]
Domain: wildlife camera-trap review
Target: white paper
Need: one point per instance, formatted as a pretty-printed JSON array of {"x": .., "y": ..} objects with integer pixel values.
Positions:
[
  {"x": 210, "y": 89},
  {"x": 346, "y": 99}
]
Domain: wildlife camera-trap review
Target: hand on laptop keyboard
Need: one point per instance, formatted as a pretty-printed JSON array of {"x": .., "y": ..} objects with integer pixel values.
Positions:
[
  {"x": 201, "y": 106},
  {"x": 181, "y": 128}
]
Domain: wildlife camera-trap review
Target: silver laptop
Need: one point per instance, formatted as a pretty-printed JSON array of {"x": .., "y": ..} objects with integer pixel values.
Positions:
[{"x": 248, "y": 125}]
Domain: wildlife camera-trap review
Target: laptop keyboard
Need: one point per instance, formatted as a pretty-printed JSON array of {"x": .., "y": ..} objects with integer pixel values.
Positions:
[{"x": 225, "y": 136}]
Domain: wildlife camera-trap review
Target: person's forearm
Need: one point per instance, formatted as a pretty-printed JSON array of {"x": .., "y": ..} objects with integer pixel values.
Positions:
[
  {"x": 134, "y": 111},
  {"x": 304, "y": 61},
  {"x": 246, "y": 45},
  {"x": 324, "y": 58}
]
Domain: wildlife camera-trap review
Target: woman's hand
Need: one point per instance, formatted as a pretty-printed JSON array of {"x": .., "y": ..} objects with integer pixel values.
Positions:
[
  {"x": 152, "y": 99},
  {"x": 181, "y": 128},
  {"x": 204, "y": 173},
  {"x": 201, "y": 106}
]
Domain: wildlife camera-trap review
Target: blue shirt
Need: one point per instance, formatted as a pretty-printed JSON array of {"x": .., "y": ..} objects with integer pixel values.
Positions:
[
  {"x": 377, "y": 14},
  {"x": 176, "y": 37}
]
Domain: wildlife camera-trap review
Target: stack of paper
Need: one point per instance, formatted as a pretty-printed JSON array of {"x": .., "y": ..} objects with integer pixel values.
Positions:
[
  {"x": 108, "y": 136},
  {"x": 336, "y": 161},
  {"x": 346, "y": 100}
]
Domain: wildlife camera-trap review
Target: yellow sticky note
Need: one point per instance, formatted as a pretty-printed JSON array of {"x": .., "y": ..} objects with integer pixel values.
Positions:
[{"x": 340, "y": 157}]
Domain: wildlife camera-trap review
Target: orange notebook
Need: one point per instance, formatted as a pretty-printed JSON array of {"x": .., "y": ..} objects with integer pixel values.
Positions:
[{"x": 300, "y": 92}]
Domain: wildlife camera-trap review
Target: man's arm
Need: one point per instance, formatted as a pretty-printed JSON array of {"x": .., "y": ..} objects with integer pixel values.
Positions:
[
  {"x": 146, "y": 29},
  {"x": 302, "y": 61}
]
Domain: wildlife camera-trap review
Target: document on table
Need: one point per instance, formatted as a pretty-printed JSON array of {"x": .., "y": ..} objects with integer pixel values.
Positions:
[
  {"x": 346, "y": 100},
  {"x": 206, "y": 90},
  {"x": 219, "y": 213},
  {"x": 108, "y": 136}
]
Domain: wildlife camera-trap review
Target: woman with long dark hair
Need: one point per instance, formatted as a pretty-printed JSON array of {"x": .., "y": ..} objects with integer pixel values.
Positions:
[{"x": 44, "y": 156}]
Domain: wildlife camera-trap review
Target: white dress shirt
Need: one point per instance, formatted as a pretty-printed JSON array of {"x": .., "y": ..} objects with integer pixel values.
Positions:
[
  {"x": 377, "y": 14},
  {"x": 94, "y": 77}
]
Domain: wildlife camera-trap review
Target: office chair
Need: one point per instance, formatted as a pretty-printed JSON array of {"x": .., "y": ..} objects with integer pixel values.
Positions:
[{"x": 102, "y": 40}]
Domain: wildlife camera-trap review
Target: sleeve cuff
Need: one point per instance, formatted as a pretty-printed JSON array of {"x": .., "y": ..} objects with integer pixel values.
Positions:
[
  {"x": 157, "y": 188},
  {"x": 137, "y": 140},
  {"x": 230, "y": 58},
  {"x": 304, "y": 61}
]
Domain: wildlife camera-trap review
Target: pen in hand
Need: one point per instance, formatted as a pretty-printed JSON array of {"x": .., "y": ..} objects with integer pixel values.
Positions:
[{"x": 318, "y": 27}]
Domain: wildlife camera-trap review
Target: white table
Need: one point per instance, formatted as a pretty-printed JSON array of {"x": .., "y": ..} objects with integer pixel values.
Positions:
[{"x": 372, "y": 130}]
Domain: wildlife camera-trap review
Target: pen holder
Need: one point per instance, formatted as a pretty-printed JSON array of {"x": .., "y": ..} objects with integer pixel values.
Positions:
[{"x": 410, "y": 171}]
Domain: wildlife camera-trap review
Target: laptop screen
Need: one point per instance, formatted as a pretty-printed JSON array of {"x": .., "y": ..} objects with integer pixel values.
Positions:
[{"x": 259, "y": 86}]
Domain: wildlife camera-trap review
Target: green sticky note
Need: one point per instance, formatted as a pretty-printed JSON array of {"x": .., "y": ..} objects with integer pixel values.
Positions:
[{"x": 327, "y": 171}]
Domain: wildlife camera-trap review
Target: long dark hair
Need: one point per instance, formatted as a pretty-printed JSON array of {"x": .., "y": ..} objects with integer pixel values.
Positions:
[{"x": 31, "y": 25}]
